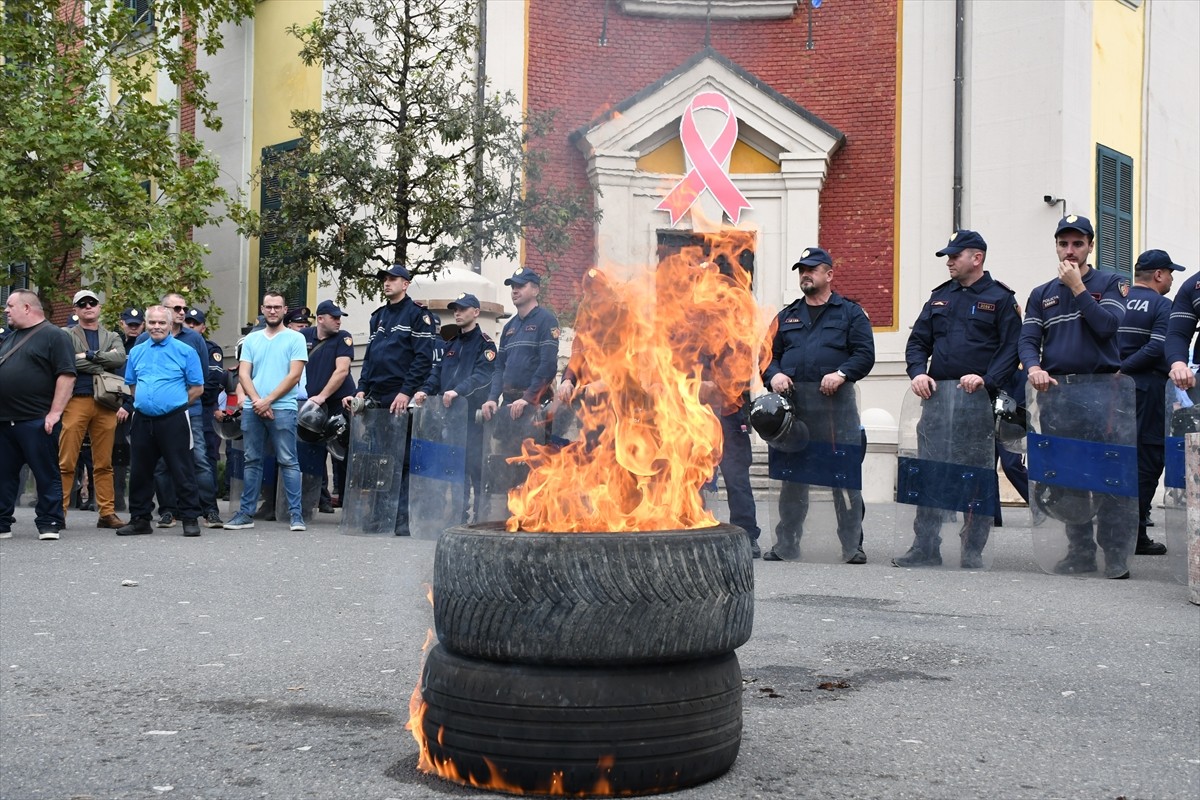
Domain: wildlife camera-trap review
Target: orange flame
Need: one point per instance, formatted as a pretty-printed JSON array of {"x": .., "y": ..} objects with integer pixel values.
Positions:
[{"x": 659, "y": 351}]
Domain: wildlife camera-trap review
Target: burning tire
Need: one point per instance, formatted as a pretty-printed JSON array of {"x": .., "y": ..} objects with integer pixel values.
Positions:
[
  {"x": 593, "y": 598},
  {"x": 571, "y": 730}
]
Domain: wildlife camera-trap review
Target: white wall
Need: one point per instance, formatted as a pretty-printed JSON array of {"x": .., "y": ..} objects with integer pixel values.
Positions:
[{"x": 1171, "y": 163}]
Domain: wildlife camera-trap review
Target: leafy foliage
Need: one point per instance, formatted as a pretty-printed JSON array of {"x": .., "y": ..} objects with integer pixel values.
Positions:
[
  {"x": 95, "y": 174},
  {"x": 406, "y": 162}
]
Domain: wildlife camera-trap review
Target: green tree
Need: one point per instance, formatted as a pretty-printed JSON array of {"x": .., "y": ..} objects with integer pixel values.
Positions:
[
  {"x": 409, "y": 160},
  {"x": 95, "y": 173}
]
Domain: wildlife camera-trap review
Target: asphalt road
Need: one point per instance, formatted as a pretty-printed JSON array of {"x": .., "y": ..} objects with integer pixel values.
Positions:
[{"x": 269, "y": 664}]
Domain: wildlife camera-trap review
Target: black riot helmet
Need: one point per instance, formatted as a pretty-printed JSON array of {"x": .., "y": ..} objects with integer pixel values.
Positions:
[
  {"x": 337, "y": 436},
  {"x": 773, "y": 417},
  {"x": 1072, "y": 506},
  {"x": 229, "y": 427},
  {"x": 310, "y": 422}
]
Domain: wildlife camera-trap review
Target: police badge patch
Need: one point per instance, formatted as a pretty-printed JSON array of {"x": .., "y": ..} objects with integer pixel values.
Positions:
[
  {"x": 490, "y": 355},
  {"x": 349, "y": 342},
  {"x": 1123, "y": 286},
  {"x": 216, "y": 355},
  {"x": 554, "y": 333}
]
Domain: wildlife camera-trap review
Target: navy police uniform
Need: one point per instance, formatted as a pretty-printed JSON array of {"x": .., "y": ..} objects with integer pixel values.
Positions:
[
  {"x": 1185, "y": 314},
  {"x": 466, "y": 368},
  {"x": 809, "y": 343},
  {"x": 527, "y": 358},
  {"x": 322, "y": 361},
  {"x": 1067, "y": 334},
  {"x": 399, "y": 351},
  {"x": 1142, "y": 338},
  {"x": 961, "y": 330}
]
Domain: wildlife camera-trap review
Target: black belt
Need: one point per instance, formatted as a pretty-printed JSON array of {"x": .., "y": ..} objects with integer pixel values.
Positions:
[{"x": 183, "y": 407}]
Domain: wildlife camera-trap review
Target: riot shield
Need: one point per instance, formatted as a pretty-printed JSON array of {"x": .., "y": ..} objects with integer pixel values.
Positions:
[
  {"x": 311, "y": 457},
  {"x": 819, "y": 487},
  {"x": 1183, "y": 417},
  {"x": 235, "y": 468},
  {"x": 375, "y": 469},
  {"x": 1083, "y": 474},
  {"x": 502, "y": 438},
  {"x": 438, "y": 484},
  {"x": 946, "y": 473}
]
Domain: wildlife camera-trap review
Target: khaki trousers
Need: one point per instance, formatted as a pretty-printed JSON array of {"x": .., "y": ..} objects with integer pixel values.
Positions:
[{"x": 84, "y": 415}]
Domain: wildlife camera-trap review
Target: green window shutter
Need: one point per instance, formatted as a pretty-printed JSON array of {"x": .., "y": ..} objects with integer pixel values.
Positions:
[
  {"x": 1114, "y": 211},
  {"x": 294, "y": 288},
  {"x": 18, "y": 278}
]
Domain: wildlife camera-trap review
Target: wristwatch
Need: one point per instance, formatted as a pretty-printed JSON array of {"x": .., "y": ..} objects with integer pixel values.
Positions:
[{"x": 841, "y": 374}]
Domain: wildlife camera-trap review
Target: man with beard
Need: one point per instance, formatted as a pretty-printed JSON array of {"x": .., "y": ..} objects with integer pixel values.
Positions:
[
  {"x": 271, "y": 364},
  {"x": 821, "y": 338},
  {"x": 1070, "y": 328}
]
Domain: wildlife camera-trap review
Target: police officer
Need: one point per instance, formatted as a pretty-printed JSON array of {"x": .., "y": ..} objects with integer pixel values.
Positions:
[
  {"x": 1185, "y": 313},
  {"x": 398, "y": 359},
  {"x": 214, "y": 382},
  {"x": 1070, "y": 327},
  {"x": 132, "y": 325},
  {"x": 1141, "y": 338},
  {"x": 527, "y": 359},
  {"x": 327, "y": 377},
  {"x": 298, "y": 318},
  {"x": 464, "y": 375},
  {"x": 825, "y": 339},
  {"x": 967, "y": 331}
]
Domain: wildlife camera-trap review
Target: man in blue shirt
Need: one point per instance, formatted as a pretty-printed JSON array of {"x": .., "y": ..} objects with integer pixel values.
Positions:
[
  {"x": 271, "y": 365},
  {"x": 1070, "y": 327},
  {"x": 1141, "y": 338},
  {"x": 166, "y": 378},
  {"x": 206, "y": 483}
]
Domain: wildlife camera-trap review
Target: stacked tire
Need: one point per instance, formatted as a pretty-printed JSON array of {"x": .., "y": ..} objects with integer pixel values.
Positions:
[{"x": 580, "y": 663}]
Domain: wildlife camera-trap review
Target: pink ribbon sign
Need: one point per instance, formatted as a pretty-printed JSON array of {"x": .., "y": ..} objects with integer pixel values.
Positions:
[{"x": 707, "y": 170}]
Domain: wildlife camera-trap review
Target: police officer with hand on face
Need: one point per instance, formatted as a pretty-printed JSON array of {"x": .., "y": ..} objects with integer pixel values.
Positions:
[
  {"x": 967, "y": 331},
  {"x": 1070, "y": 327},
  {"x": 1141, "y": 338}
]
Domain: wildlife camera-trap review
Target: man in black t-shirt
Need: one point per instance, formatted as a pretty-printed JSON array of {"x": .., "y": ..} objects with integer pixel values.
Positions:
[{"x": 37, "y": 376}]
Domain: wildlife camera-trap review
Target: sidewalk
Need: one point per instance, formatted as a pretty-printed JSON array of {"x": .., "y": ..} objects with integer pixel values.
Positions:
[{"x": 269, "y": 664}]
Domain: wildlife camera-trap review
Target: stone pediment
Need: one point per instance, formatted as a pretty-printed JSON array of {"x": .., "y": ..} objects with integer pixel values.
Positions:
[{"x": 777, "y": 127}]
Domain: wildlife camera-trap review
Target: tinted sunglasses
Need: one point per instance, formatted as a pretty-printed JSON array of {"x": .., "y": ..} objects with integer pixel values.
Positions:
[{"x": 87, "y": 303}]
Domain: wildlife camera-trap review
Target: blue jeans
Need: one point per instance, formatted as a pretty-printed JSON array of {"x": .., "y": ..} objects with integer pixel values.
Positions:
[
  {"x": 254, "y": 437},
  {"x": 26, "y": 442}
]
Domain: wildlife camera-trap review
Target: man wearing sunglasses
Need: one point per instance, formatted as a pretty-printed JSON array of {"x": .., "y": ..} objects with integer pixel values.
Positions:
[{"x": 97, "y": 350}]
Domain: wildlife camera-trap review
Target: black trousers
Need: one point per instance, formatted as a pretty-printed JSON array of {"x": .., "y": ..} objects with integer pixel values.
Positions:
[{"x": 168, "y": 437}]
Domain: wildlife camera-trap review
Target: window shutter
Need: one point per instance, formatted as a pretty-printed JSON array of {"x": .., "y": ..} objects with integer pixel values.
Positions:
[
  {"x": 1114, "y": 211},
  {"x": 294, "y": 288}
]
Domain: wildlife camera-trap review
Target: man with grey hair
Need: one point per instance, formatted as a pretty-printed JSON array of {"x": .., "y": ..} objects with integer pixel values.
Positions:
[
  {"x": 206, "y": 482},
  {"x": 37, "y": 375}
]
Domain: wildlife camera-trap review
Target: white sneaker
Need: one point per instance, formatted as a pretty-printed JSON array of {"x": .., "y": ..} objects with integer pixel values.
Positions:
[
  {"x": 298, "y": 525},
  {"x": 48, "y": 536},
  {"x": 5, "y": 534}
]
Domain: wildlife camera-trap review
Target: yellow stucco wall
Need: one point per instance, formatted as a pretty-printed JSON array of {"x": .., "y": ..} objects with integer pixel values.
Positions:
[
  {"x": 281, "y": 83},
  {"x": 1118, "y": 55},
  {"x": 668, "y": 159}
]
